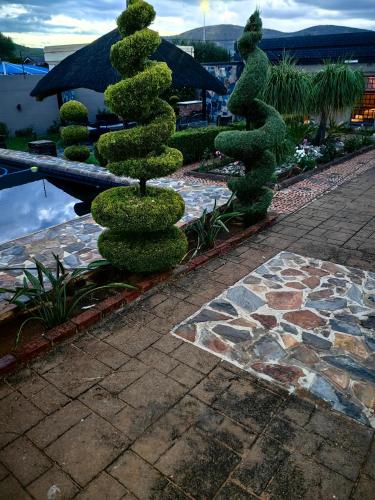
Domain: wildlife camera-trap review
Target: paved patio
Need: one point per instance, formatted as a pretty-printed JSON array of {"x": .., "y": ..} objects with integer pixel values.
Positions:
[{"x": 129, "y": 411}]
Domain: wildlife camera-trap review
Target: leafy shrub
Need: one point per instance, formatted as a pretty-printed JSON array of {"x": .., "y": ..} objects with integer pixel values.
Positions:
[
  {"x": 141, "y": 236},
  {"x": 74, "y": 112},
  {"x": 253, "y": 146},
  {"x": 4, "y": 129},
  {"x": 25, "y": 132},
  {"x": 101, "y": 160},
  {"x": 194, "y": 142},
  {"x": 125, "y": 210},
  {"x": 74, "y": 134},
  {"x": 54, "y": 293},
  {"x": 328, "y": 151},
  {"x": 144, "y": 252},
  {"x": 77, "y": 153},
  {"x": 353, "y": 144}
]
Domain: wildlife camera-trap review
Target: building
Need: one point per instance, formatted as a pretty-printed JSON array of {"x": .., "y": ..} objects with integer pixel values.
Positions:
[{"x": 310, "y": 52}]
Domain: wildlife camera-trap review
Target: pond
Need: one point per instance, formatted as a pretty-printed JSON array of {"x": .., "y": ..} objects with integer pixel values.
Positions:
[{"x": 31, "y": 201}]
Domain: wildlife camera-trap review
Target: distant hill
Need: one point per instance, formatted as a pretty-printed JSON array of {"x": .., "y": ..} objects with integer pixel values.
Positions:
[
  {"x": 29, "y": 52},
  {"x": 226, "y": 34}
]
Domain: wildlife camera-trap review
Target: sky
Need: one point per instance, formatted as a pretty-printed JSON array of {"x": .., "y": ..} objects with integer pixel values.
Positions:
[{"x": 37, "y": 23}]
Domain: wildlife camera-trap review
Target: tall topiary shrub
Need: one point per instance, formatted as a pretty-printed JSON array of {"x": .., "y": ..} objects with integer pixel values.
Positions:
[
  {"x": 75, "y": 114},
  {"x": 141, "y": 235},
  {"x": 265, "y": 128}
]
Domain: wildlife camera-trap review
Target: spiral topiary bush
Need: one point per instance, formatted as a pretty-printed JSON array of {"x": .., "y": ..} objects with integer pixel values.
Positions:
[
  {"x": 141, "y": 236},
  {"x": 265, "y": 128},
  {"x": 75, "y": 114}
]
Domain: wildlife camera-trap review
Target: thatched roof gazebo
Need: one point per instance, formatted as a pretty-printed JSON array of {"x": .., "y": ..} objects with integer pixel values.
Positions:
[{"x": 90, "y": 68}]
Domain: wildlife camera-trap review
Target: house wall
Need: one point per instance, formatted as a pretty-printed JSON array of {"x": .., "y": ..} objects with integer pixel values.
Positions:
[{"x": 14, "y": 90}]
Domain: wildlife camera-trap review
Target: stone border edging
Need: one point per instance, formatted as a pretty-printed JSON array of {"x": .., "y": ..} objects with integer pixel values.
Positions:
[
  {"x": 30, "y": 350},
  {"x": 287, "y": 182}
]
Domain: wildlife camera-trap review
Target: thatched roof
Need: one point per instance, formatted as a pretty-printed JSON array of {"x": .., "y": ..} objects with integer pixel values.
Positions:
[{"x": 91, "y": 68}]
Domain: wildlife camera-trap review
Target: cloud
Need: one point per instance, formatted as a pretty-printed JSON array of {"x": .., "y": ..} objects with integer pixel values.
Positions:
[{"x": 42, "y": 22}]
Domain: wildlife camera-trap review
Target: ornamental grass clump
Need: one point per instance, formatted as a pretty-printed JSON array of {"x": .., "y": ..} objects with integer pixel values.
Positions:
[
  {"x": 265, "y": 129},
  {"x": 141, "y": 235},
  {"x": 74, "y": 113}
]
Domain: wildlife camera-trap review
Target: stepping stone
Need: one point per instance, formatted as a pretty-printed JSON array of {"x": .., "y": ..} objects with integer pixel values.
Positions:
[
  {"x": 233, "y": 334},
  {"x": 327, "y": 305},
  {"x": 316, "y": 341},
  {"x": 350, "y": 365},
  {"x": 246, "y": 299},
  {"x": 224, "y": 306}
]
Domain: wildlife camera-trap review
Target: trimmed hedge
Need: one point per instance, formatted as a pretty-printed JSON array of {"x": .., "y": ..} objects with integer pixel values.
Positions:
[
  {"x": 74, "y": 111},
  {"x": 193, "y": 142},
  {"x": 74, "y": 134},
  {"x": 144, "y": 252},
  {"x": 77, "y": 153},
  {"x": 122, "y": 209}
]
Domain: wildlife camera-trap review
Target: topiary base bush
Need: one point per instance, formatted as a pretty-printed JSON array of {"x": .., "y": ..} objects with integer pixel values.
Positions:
[
  {"x": 144, "y": 252},
  {"x": 77, "y": 153},
  {"x": 123, "y": 209}
]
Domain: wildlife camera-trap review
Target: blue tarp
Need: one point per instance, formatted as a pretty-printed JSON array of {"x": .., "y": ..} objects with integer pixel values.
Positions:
[{"x": 7, "y": 68}]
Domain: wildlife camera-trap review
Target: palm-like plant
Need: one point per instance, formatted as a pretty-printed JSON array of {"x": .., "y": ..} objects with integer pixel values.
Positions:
[
  {"x": 335, "y": 88},
  {"x": 288, "y": 88}
]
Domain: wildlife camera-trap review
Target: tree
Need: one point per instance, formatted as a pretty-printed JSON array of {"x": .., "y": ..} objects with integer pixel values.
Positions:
[
  {"x": 141, "y": 235},
  {"x": 288, "y": 88},
  {"x": 7, "y": 48},
  {"x": 335, "y": 88},
  {"x": 265, "y": 128},
  {"x": 206, "y": 51}
]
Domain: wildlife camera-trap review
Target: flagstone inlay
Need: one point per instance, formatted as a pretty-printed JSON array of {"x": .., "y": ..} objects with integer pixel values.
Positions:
[{"x": 299, "y": 322}]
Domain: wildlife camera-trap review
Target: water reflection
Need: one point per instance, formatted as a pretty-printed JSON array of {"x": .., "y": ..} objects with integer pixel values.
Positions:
[{"x": 36, "y": 204}]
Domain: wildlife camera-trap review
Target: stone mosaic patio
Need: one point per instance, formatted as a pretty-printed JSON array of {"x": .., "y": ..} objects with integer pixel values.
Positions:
[{"x": 304, "y": 323}]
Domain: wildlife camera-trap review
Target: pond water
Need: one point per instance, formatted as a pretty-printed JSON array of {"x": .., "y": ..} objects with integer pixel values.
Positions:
[{"x": 30, "y": 202}]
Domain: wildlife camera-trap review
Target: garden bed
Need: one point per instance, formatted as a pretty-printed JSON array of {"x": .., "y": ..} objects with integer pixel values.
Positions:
[
  {"x": 284, "y": 180},
  {"x": 35, "y": 340}
]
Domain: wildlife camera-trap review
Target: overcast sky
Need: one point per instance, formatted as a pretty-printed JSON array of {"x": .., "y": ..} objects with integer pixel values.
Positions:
[{"x": 37, "y": 23}]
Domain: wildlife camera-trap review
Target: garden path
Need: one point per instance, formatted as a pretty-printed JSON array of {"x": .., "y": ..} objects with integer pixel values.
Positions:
[{"x": 127, "y": 410}]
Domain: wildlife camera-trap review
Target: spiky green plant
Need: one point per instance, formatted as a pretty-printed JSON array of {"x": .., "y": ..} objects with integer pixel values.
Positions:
[
  {"x": 335, "y": 88},
  {"x": 142, "y": 236},
  {"x": 53, "y": 292},
  {"x": 288, "y": 88},
  {"x": 265, "y": 128}
]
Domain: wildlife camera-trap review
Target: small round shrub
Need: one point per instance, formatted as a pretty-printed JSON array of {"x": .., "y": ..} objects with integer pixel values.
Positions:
[
  {"x": 74, "y": 111},
  {"x": 122, "y": 209},
  {"x": 74, "y": 134},
  {"x": 77, "y": 153},
  {"x": 144, "y": 252}
]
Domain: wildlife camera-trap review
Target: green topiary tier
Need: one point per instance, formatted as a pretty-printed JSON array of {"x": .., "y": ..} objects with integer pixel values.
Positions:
[
  {"x": 75, "y": 113},
  {"x": 141, "y": 235},
  {"x": 265, "y": 129}
]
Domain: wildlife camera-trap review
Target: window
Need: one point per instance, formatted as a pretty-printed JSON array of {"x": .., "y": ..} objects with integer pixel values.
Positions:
[{"x": 364, "y": 112}]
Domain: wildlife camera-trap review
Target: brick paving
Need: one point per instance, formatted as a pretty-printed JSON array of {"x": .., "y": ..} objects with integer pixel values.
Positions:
[{"x": 126, "y": 410}]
